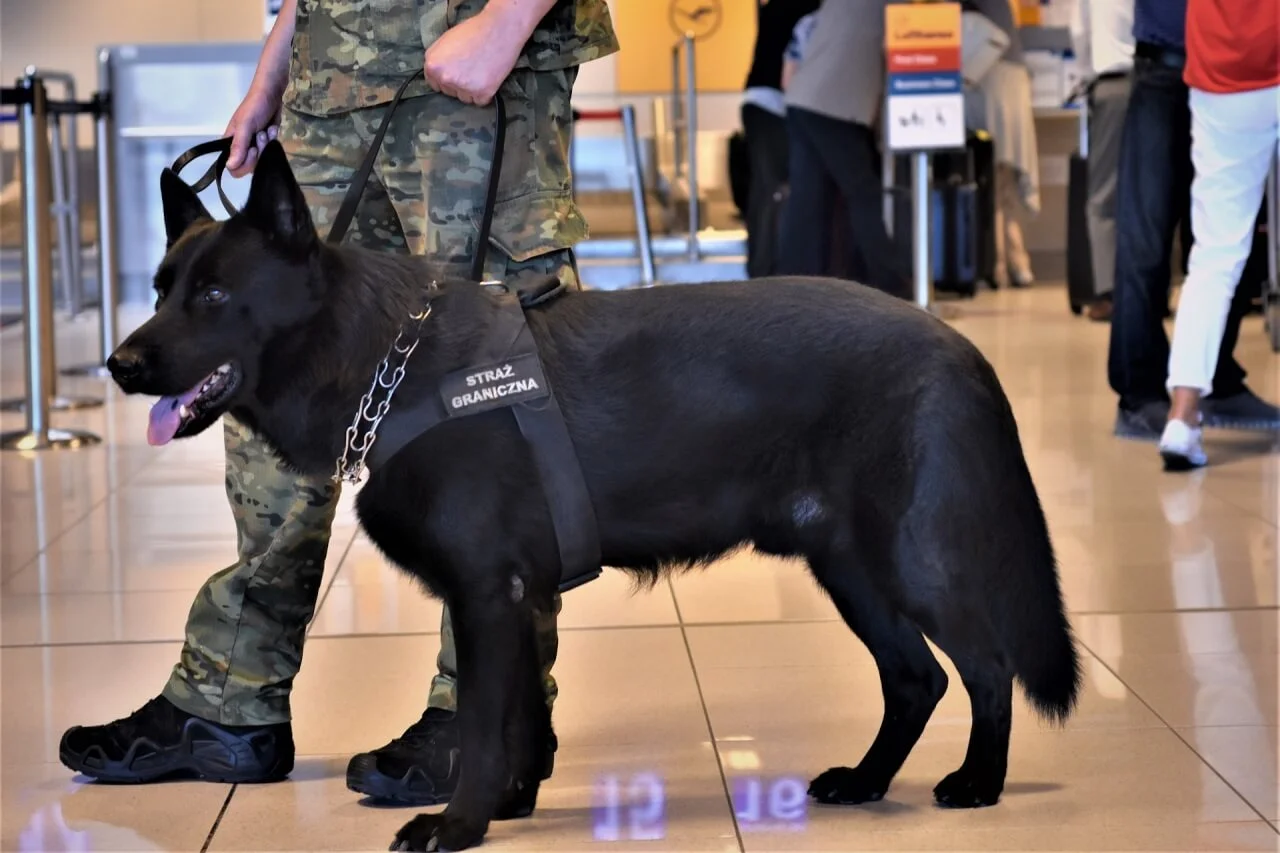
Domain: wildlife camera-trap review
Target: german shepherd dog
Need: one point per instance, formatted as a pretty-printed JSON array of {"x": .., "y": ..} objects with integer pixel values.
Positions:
[{"x": 809, "y": 418}]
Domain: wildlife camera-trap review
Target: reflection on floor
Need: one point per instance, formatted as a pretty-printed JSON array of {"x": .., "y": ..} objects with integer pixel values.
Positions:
[{"x": 689, "y": 717}]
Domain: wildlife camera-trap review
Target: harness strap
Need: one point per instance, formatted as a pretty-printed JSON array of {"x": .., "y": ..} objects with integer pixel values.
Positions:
[{"x": 509, "y": 353}]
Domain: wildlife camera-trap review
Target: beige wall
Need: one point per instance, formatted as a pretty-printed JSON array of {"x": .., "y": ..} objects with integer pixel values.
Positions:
[{"x": 62, "y": 35}]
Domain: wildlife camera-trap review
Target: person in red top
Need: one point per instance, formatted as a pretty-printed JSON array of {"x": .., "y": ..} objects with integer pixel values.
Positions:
[{"x": 1233, "y": 73}]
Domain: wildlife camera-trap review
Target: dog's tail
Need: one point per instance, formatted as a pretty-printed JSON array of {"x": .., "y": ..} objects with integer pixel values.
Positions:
[
  {"x": 1036, "y": 632},
  {"x": 1025, "y": 590},
  {"x": 994, "y": 537}
]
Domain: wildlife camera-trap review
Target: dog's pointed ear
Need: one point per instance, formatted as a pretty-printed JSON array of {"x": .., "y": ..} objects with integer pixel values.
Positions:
[
  {"x": 182, "y": 206},
  {"x": 276, "y": 204}
]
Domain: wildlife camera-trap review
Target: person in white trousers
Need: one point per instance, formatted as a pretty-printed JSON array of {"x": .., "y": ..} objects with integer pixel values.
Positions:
[{"x": 1233, "y": 53}]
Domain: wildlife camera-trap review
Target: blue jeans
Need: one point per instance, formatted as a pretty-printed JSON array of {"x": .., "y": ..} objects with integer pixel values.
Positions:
[{"x": 1153, "y": 195}]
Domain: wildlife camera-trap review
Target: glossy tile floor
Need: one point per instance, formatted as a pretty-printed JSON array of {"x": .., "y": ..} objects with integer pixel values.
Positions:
[{"x": 691, "y": 716}]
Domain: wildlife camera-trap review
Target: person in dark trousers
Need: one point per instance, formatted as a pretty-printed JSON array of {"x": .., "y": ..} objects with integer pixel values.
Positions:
[
  {"x": 833, "y": 105},
  {"x": 1152, "y": 196},
  {"x": 1102, "y": 34},
  {"x": 764, "y": 126}
]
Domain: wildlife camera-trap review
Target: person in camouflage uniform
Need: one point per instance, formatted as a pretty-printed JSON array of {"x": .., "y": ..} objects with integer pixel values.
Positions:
[{"x": 328, "y": 72}]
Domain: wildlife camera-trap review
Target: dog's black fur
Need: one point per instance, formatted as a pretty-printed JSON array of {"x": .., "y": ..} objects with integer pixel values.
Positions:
[{"x": 809, "y": 418}]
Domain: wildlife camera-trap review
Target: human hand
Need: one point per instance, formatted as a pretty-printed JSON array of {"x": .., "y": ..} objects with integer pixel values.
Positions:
[
  {"x": 255, "y": 122},
  {"x": 470, "y": 61}
]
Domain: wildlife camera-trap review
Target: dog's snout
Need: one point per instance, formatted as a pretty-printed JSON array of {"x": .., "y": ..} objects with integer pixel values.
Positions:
[{"x": 125, "y": 364}]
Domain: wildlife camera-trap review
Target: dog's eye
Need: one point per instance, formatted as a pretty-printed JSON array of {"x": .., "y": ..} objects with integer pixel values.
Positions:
[{"x": 213, "y": 296}]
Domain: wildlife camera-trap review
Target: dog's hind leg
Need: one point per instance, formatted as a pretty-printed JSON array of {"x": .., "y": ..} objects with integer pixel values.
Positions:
[
  {"x": 487, "y": 629},
  {"x": 910, "y": 678},
  {"x": 988, "y": 677}
]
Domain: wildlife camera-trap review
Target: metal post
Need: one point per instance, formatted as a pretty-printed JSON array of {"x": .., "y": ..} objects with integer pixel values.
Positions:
[
  {"x": 677, "y": 114},
  {"x": 1083, "y": 108},
  {"x": 922, "y": 272},
  {"x": 68, "y": 203},
  {"x": 33, "y": 140},
  {"x": 58, "y": 168},
  {"x": 645, "y": 241},
  {"x": 691, "y": 137},
  {"x": 108, "y": 273}
]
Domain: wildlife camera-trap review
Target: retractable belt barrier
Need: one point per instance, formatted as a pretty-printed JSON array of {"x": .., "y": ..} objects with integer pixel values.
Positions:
[{"x": 508, "y": 372}]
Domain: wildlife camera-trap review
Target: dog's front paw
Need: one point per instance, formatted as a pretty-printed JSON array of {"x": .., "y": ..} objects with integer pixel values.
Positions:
[
  {"x": 846, "y": 786},
  {"x": 967, "y": 789},
  {"x": 432, "y": 832}
]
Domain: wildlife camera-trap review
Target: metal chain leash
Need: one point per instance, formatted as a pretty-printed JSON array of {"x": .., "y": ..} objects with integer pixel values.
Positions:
[{"x": 359, "y": 444}]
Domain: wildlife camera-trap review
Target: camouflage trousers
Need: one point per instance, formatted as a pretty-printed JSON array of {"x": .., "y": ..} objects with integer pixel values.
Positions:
[{"x": 246, "y": 629}]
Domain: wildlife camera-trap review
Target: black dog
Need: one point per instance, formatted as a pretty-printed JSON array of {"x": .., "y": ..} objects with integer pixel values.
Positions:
[{"x": 806, "y": 417}]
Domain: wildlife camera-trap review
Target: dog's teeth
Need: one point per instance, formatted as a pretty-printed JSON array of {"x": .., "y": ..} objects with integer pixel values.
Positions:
[{"x": 183, "y": 411}]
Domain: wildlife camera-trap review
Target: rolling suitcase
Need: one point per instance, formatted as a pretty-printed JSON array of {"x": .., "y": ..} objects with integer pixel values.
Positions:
[{"x": 955, "y": 238}]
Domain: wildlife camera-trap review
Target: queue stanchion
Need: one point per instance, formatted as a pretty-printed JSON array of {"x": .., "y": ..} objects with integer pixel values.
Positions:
[
  {"x": 66, "y": 189},
  {"x": 635, "y": 169},
  {"x": 639, "y": 200},
  {"x": 921, "y": 266},
  {"x": 58, "y": 173},
  {"x": 108, "y": 271},
  {"x": 691, "y": 140},
  {"x": 33, "y": 141},
  {"x": 56, "y": 401}
]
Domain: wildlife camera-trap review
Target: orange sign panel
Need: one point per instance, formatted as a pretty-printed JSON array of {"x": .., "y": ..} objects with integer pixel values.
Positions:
[{"x": 922, "y": 26}]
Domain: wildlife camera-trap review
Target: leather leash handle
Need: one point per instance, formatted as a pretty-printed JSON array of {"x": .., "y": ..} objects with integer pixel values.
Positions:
[
  {"x": 214, "y": 173},
  {"x": 347, "y": 210}
]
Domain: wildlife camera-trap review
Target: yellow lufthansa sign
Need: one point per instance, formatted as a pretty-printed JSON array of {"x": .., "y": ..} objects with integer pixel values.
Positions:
[{"x": 922, "y": 26}]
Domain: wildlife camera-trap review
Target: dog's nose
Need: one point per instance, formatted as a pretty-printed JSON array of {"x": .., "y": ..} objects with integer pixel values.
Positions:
[{"x": 125, "y": 364}]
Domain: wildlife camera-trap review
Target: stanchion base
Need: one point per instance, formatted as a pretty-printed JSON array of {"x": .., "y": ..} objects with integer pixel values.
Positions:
[
  {"x": 56, "y": 404},
  {"x": 92, "y": 371},
  {"x": 55, "y": 439}
]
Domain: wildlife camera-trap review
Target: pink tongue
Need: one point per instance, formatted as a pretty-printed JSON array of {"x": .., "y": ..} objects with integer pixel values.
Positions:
[{"x": 166, "y": 417}]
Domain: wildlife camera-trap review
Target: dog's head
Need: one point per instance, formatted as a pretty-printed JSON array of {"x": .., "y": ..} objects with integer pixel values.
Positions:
[{"x": 225, "y": 292}]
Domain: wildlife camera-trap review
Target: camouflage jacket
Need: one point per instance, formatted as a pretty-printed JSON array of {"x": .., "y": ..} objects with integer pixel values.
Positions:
[{"x": 355, "y": 53}]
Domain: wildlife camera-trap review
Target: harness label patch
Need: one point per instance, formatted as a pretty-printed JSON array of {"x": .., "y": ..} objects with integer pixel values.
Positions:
[{"x": 492, "y": 386}]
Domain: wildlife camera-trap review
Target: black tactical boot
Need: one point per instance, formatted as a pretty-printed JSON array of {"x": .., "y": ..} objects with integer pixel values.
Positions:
[
  {"x": 160, "y": 741},
  {"x": 419, "y": 768}
]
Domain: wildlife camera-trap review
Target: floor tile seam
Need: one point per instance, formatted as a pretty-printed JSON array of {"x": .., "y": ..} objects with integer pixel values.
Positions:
[
  {"x": 217, "y": 821},
  {"x": 373, "y": 635},
  {"x": 706, "y": 716},
  {"x": 1246, "y": 608},
  {"x": 1172, "y": 729}
]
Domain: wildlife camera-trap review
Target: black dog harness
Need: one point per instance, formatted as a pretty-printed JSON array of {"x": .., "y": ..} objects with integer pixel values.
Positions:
[{"x": 508, "y": 372}]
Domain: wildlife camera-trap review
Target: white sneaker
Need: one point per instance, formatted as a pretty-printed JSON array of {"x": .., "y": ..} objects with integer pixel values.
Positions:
[{"x": 1180, "y": 447}]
